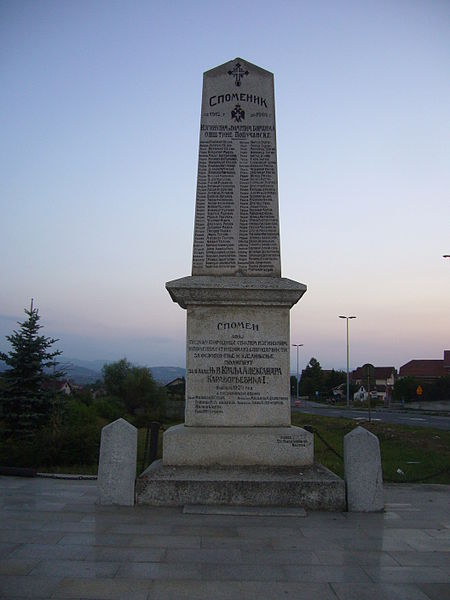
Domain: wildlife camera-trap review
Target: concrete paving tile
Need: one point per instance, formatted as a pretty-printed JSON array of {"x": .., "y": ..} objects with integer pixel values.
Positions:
[
  {"x": 140, "y": 528},
  {"x": 27, "y": 587},
  {"x": 303, "y": 543},
  {"x": 279, "y": 557},
  {"x": 239, "y": 590},
  {"x": 435, "y": 591},
  {"x": 262, "y": 531},
  {"x": 11, "y": 524},
  {"x": 232, "y": 542},
  {"x": 349, "y": 557},
  {"x": 204, "y": 555},
  {"x": 149, "y": 570},
  {"x": 75, "y": 568},
  {"x": 225, "y": 572},
  {"x": 102, "y": 589},
  {"x": 108, "y": 553},
  {"x": 331, "y": 534},
  {"x": 326, "y": 574},
  {"x": 41, "y": 517},
  {"x": 430, "y": 545},
  {"x": 374, "y": 591},
  {"x": 439, "y": 533},
  {"x": 74, "y": 527},
  {"x": 422, "y": 559},
  {"x": 408, "y": 574},
  {"x": 95, "y": 539},
  {"x": 34, "y": 506},
  {"x": 166, "y": 541},
  {"x": 411, "y": 524},
  {"x": 204, "y": 530},
  {"x": 29, "y": 536},
  {"x": 373, "y": 544},
  {"x": 89, "y": 507},
  {"x": 324, "y": 517},
  {"x": 406, "y": 534},
  {"x": 7, "y": 549},
  {"x": 43, "y": 551},
  {"x": 17, "y": 566}
]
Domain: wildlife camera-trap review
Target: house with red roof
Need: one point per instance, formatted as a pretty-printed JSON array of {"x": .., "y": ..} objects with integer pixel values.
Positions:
[
  {"x": 380, "y": 380},
  {"x": 427, "y": 370}
]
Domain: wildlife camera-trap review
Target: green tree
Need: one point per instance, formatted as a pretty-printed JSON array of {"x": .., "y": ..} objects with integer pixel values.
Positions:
[
  {"x": 27, "y": 393},
  {"x": 405, "y": 389},
  {"x": 332, "y": 379},
  {"x": 312, "y": 379},
  {"x": 136, "y": 388}
]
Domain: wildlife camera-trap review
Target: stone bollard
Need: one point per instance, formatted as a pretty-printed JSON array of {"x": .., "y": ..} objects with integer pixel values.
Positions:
[
  {"x": 363, "y": 473},
  {"x": 117, "y": 464}
]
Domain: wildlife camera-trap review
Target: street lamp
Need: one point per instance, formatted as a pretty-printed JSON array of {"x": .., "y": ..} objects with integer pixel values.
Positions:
[
  {"x": 348, "y": 376},
  {"x": 297, "y": 346}
]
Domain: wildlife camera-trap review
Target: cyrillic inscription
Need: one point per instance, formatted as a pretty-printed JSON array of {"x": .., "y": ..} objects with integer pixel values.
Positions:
[
  {"x": 236, "y": 221},
  {"x": 237, "y": 369}
]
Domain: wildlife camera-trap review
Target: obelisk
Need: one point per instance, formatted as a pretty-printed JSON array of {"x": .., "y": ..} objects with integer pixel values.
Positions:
[
  {"x": 237, "y": 436},
  {"x": 237, "y": 365}
]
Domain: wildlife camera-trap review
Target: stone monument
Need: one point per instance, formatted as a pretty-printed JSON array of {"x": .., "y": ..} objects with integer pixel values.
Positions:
[
  {"x": 363, "y": 471},
  {"x": 238, "y": 413},
  {"x": 117, "y": 464}
]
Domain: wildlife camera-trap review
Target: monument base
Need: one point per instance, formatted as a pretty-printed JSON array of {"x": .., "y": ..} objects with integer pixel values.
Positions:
[
  {"x": 313, "y": 487},
  {"x": 238, "y": 446}
]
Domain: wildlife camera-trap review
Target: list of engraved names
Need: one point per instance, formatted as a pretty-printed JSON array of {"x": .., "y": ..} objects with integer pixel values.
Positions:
[{"x": 236, "y": 225}]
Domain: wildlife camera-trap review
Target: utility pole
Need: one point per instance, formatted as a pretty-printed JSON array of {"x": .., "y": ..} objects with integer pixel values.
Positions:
[{"x": 348, "y": 374}]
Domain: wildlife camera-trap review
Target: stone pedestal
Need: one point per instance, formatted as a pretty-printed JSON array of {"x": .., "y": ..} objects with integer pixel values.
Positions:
[
  {"x": 240, "y": 446},
  {"x": 238, "y": 409},
  {"x": 312, "y": 488}
]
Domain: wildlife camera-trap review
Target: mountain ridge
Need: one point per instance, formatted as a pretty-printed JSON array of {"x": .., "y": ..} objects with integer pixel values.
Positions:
[{"x": 84, "y": 372}]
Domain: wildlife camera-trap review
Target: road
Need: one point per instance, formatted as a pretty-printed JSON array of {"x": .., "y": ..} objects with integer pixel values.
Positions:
[{"x": 416, "y": 419}]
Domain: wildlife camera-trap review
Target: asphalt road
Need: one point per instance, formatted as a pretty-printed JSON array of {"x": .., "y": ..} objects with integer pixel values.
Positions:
[{"x": 416, "y": 419}]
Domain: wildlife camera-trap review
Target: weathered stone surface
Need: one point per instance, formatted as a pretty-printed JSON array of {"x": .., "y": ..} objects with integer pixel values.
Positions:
[
  {"x": 117, "y": 464},
  {"x": 237, "y": 291},
  {"x": 236, "y": 228},
  {"x": 252, "y": 446},
  {"x": 237, "y": 366},
  {"x": 313, "y": 488},
  {"x": 363, "y": 473}
]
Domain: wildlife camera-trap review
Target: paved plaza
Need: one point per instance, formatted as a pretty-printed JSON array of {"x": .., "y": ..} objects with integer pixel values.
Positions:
[{"x": 55, "y": 543}]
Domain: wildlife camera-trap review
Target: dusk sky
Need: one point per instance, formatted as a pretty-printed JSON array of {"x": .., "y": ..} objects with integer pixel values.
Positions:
[{"x": 99, "y": 128}]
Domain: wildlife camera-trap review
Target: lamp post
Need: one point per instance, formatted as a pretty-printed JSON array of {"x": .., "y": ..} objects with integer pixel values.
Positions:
[
  {"x": 297, "y": 346},
  {"x": 348, "y": 376}
]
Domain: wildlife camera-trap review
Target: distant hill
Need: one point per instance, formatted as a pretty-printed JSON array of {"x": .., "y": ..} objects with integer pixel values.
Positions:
[
  {"x": 85, "y": 372},
  {"x": 82, "y": 375},
  {"x": 165, "y": 374}
]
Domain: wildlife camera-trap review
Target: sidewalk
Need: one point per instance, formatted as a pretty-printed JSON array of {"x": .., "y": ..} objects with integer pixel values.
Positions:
[{"x": 55, "y": 543}]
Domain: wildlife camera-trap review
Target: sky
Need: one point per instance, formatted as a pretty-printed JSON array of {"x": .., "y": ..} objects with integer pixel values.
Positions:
[{"x": 99, "y": 128}]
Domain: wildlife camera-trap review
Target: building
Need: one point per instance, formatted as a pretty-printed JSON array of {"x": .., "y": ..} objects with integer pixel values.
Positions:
[
  {"x": 380, "y": 380},
  {"x": 427, "y": 370}
]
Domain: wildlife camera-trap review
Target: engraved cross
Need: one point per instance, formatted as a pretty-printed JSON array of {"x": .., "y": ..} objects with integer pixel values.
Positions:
[{"x": 238, "y": 73}]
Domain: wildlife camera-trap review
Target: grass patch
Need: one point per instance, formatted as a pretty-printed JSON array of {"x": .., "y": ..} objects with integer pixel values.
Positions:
[{"x": 420, "y": 453}]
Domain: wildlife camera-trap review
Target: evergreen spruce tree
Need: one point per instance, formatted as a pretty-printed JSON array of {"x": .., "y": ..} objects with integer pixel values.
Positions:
[{"x": 27, "y": 393}]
